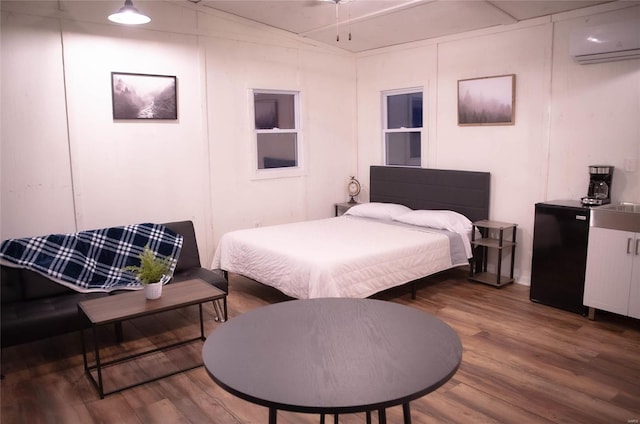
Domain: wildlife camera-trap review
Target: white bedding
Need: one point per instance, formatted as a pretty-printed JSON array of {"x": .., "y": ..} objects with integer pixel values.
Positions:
[{"x": 335, "y": 257}]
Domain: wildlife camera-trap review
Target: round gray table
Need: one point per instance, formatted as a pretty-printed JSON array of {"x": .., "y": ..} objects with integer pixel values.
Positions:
[{"x": 332, "y": 356}]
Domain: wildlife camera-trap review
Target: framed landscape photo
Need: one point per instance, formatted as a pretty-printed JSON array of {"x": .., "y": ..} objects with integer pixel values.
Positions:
[
  {"x": 487, "y": 100},
  {"x": 144, "y": 96}
]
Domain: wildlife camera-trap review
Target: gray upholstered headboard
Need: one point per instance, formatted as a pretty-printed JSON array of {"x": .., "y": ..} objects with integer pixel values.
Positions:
[{"x": 465, "y": 192}]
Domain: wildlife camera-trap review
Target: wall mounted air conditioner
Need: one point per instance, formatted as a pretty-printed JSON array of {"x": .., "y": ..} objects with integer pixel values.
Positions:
[{"x": 606, "y": 43}]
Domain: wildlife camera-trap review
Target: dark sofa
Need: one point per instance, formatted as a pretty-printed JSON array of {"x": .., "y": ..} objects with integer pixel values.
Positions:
[{"x": 34, "y": 307}]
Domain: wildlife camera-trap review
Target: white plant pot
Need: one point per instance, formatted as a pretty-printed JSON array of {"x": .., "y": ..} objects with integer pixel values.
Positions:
[{"x": 153, "y": 291}]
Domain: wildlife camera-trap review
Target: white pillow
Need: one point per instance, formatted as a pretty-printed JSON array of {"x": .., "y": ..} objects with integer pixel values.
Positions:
[
  {"x": 377, "y": 210},
  {"x": 439, "y": 219}
]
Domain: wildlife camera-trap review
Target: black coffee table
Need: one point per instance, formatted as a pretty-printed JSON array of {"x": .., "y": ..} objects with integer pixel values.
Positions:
[{"x": 332, "y": 356}]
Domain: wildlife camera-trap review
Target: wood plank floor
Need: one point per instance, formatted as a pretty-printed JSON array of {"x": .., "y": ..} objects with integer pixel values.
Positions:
[{"x": 522, "y": 363}]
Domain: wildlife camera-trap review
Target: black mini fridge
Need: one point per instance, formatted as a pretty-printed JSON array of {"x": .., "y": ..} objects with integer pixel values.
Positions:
[{"x": 560, "y": 236}]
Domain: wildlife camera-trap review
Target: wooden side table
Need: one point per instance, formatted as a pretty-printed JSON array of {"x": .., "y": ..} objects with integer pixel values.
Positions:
[
  {"x": 481, "y": 248},
  {"x": 341, "y": 208}
]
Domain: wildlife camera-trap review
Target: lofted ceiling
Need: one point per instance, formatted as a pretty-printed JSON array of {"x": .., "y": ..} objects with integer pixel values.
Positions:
[{"x": 381, "y": 23}]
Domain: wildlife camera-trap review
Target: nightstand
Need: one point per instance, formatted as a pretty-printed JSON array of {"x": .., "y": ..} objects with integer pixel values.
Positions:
[
  {"x": 341, "y": 208},
  {"x": 492, "y": 241}
]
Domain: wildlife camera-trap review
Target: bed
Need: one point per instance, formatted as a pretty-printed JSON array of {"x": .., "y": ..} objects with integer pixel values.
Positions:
[{"x": 417, "y": 223}]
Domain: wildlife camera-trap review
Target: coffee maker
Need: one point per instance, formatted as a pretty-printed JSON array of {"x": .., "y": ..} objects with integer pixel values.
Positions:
[{"x": 599, "y": 192}]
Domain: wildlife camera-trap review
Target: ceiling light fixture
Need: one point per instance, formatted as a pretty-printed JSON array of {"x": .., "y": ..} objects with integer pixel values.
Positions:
[
  {"x": 337, "y": 3},
  {"x": 129, "y": 15}
]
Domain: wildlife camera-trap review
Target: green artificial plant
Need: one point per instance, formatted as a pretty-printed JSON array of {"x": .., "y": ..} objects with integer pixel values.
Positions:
[{"x": 151, "y": 268}]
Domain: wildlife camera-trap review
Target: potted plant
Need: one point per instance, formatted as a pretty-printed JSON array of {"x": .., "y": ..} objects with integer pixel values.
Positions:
[{"x": 152, "y": 272}]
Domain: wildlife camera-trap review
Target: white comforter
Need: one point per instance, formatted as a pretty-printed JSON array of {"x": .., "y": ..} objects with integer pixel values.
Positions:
[{"x": 334, "y": 257}]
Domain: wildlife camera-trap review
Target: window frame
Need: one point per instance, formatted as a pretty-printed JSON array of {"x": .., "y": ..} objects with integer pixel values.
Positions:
[
  {"x": 385, "y": 124},
  {"x": 289, "y": 171}
]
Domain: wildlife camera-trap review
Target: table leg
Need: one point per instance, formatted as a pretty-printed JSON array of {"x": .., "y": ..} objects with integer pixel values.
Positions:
[
  {"x": 84, "y": 351},
  {"x": 382, "y": 416},
  {"x": 406, "y": 410},
  {"x": 98, "y": 365},
  {"x": 224, "y": 306},
  {"x": 273, "y": 415},
  {"x": 216, "y": 311},
  {"x": 201, "y": 323},
  {"x": 335, "y": 418},
  {"x": 368, "y": 417}
]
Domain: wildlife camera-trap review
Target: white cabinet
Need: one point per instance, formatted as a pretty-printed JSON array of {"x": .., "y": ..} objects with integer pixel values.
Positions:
[
  {"x": 634, "y": 292},
  {"x": 612, "y": 281}
]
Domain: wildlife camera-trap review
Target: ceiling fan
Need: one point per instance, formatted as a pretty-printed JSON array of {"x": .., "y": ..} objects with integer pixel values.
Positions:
[{"x": 338, "y": 3}]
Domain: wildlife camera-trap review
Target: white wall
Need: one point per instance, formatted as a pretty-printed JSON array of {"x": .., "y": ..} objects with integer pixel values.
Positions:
[
  {"x": 594, "y": 116},
  {"x": 35, "y": 167},
  {"x": 567, "y": 116},
  {"x": 326, "y": 83},
  {"x": 133, "y": 171},
  {"x": 67, "y": 165}
]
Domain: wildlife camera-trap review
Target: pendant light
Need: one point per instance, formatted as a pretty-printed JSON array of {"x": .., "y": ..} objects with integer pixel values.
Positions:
[
  {"x": 338, "y": 3},
  {"x": 129, "y": 15}
]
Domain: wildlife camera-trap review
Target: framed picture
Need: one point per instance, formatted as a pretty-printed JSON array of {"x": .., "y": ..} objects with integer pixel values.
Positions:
[
  {"x": 487, "y": 101},
  {"x": 143, "y": 96}
]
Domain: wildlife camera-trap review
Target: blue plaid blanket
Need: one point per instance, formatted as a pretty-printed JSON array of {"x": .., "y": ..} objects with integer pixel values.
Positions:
[{"x": 92, "y": 260}]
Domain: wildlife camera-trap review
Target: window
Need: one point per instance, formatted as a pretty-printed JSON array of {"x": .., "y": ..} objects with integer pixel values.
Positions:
[
  {"x": 402, "y": 127},
  {"x": 276, "y": 126}
]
